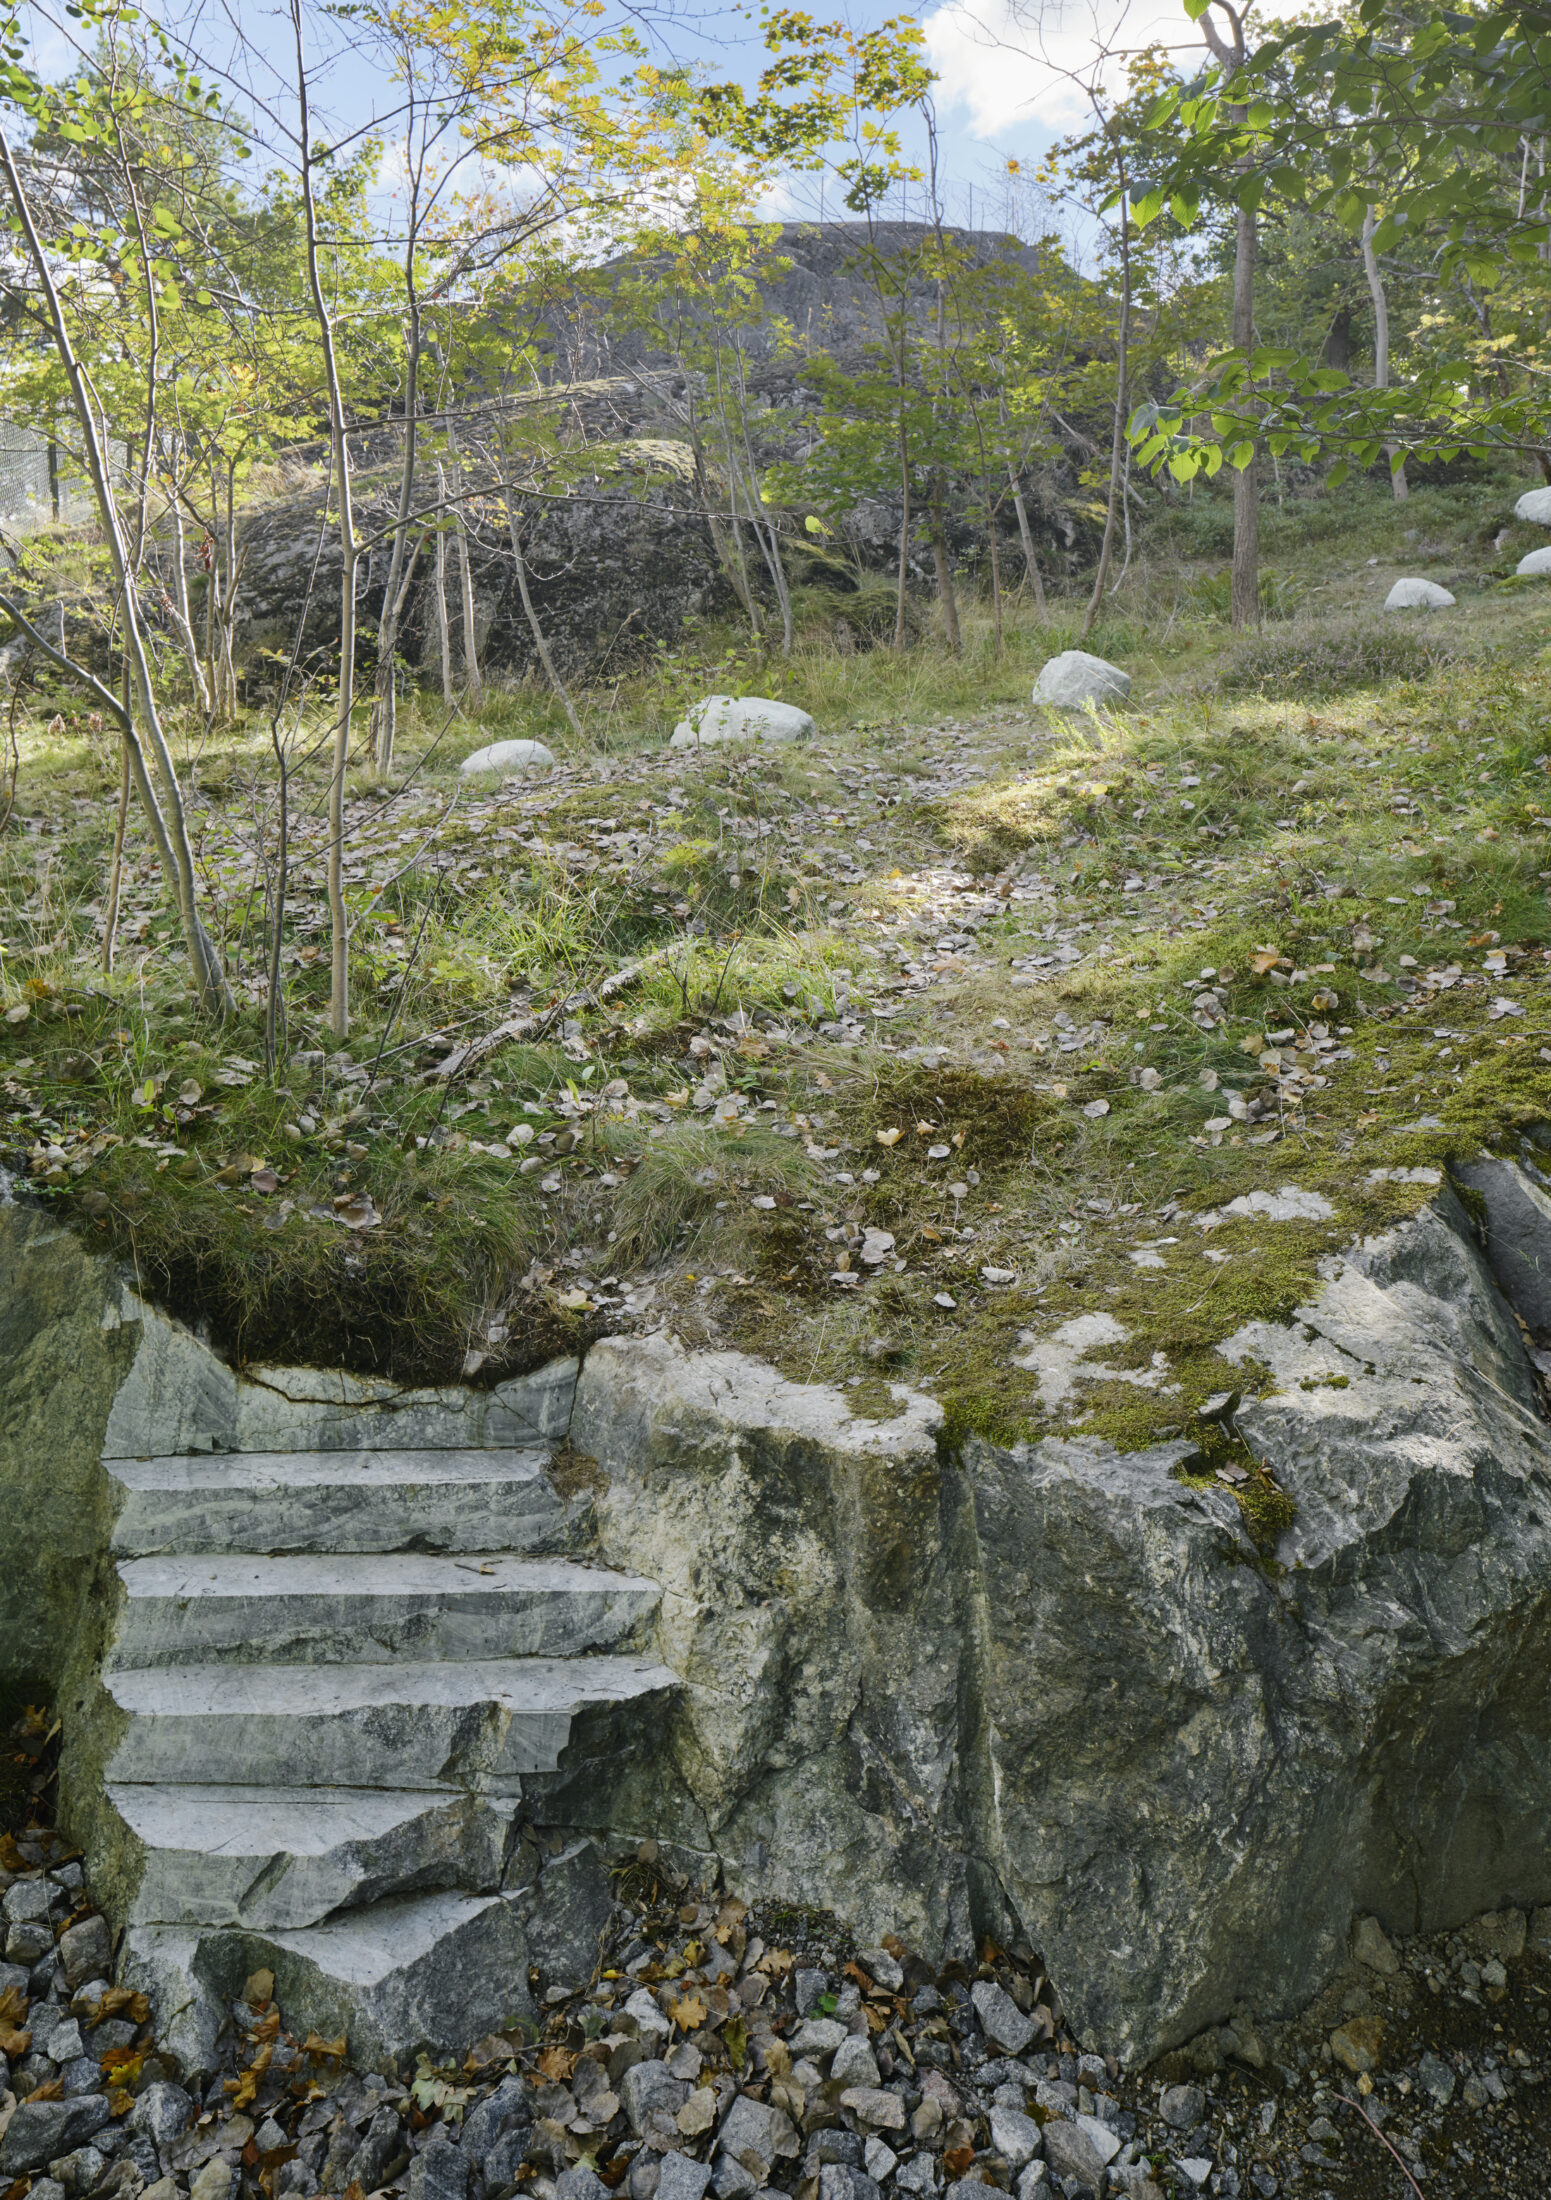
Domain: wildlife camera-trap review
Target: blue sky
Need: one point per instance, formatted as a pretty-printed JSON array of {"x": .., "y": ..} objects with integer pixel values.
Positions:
[{"x": 1013, "y": 75}]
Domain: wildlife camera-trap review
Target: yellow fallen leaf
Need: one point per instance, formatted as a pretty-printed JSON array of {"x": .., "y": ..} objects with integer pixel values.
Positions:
[
  {"x": 888, "y": 1138},
  {"x": 689, "y": 2014}
]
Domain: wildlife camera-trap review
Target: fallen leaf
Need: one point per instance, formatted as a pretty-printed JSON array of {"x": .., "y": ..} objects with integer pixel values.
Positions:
[
  {"x": 52, "y": 2090},
  {"x": 190, "y": 1093},
  {"x": 557, "y": 2063},
  {"x": 13, "y": 2045},
  {"x": 324, "y": 2050},
  {"x": 889, "y": 1137},
  {"x": 945, "y": 1300},
  {"x": 265, "y": 1180},
  {"x": 1096, "y": 1108}
]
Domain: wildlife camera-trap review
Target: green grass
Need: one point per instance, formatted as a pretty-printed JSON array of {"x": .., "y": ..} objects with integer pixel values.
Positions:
[{"x": 1400, "y": 811}]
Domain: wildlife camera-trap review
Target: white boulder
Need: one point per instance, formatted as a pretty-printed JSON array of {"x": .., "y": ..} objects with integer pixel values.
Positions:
[
  {"x": 1414, "y": 595},
  {"x": 1535, "y": 507},
  {"x": 1537, "y": 563},
  {"x": 740, "y": 718},
  {"x": 1075, "y": 679},
  {"x": 507, "y": 757}
]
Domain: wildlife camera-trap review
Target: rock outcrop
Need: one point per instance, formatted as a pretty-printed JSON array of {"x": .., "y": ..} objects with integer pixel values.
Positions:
[
  {"x": 740, "y": 718},
  {"x": 1417, "y": 595},
  {"x": 1075, "y": 679},
  {"x": 616, "y": 565},
  {"x": 1049, "y": 1691},
  {"x": 1053, "y": 1691}
]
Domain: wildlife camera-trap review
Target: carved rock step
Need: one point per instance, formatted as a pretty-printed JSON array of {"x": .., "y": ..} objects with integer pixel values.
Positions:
[
  {"x": 277, "y": 1861},
  {"x": 482, "y": 1723},
  {"x": 332, "y": 1501},
  {"x": 436, "y": 1970},
  {"x": 370, "y": 1609}
]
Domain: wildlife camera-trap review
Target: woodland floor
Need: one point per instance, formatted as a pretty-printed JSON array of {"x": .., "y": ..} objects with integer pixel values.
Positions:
[{"x": 956, "y": 1023}]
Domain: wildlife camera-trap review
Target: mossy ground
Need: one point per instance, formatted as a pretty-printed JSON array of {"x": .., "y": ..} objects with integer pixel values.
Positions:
[{"x": 834, "y": 1038}]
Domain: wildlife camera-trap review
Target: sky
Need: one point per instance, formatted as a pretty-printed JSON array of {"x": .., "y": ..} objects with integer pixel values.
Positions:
[{"x": 1013, "y": 75}]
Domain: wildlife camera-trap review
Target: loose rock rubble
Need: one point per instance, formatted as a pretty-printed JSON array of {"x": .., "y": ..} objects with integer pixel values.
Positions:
[{"x": 731, "y": 2050}]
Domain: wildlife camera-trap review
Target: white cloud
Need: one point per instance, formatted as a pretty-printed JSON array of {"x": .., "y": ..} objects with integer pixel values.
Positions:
[{"x": 1016, "y": 62}]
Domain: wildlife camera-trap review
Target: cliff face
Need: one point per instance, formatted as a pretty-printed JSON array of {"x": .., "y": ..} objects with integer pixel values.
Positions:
[
  {"x": 620, "y": 521},
  {"x": 64, "y": 1350}
]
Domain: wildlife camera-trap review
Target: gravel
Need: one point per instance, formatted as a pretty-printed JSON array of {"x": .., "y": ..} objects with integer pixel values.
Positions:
[{"x": 782, "y": 2059}]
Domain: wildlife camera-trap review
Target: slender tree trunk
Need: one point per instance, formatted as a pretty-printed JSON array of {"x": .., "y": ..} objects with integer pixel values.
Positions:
[
  {"x": 943, "y": 565},
  {"x": 473, "y": 686},
  {"x": 1402, "y": 487},
  {"x": 385, "y": 704},
  {"x": 996, "y": 573},
  {"x": 274, "y": 1007},
  {"x": 1244, "y": 591},
  {"x": 1026, "y": 537},
  {"x": 1245, "y": 586},
  {"x": 228, "y": 600},
  {"x": 904, "y": 536},
  {"x": 182, "y": 611},
  {"x": 534, "y": 628},
  {"x": 1117, "y": 448},
  {"x": 443, "y": 626},
  {"x": 713, "y": 518},
  {"x": 210, "y": 560},
  {"x": 765, "y": 527},
  {"x": 339, "y": 920},
  {"x": 169, "y": 828},
  {"x": 116, "y": 867}
]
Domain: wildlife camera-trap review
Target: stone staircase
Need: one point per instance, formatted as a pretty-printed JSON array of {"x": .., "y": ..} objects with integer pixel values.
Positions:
[{"x": 355, "y": 1690}]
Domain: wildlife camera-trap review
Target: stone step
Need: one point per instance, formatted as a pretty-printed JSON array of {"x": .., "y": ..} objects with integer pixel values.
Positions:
[
  {"x": 332, "y": 1501},
  {"x": 522, "y": 1727},
  {"x": 432, "y": 1970},
  {"x": 279, "y": 1859},
  {"x": 375, "y": 1610}
]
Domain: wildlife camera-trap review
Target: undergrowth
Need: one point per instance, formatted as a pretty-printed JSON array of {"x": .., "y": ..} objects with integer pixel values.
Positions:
[{"x": 996, "y": 987}]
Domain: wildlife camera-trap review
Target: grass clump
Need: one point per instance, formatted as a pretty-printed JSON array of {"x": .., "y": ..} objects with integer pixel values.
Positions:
[
  {"x": 692, "y": 1174},
  {"x": 1324, "y": 658}
]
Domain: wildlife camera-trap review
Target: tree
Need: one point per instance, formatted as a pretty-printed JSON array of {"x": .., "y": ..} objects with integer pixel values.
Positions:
[
  {"x": 1445, "y": 109},
  {"x": 831, "y": 100},
  {"x": 98, "y": 110},
  {"x": 1231, "y": 53}
]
